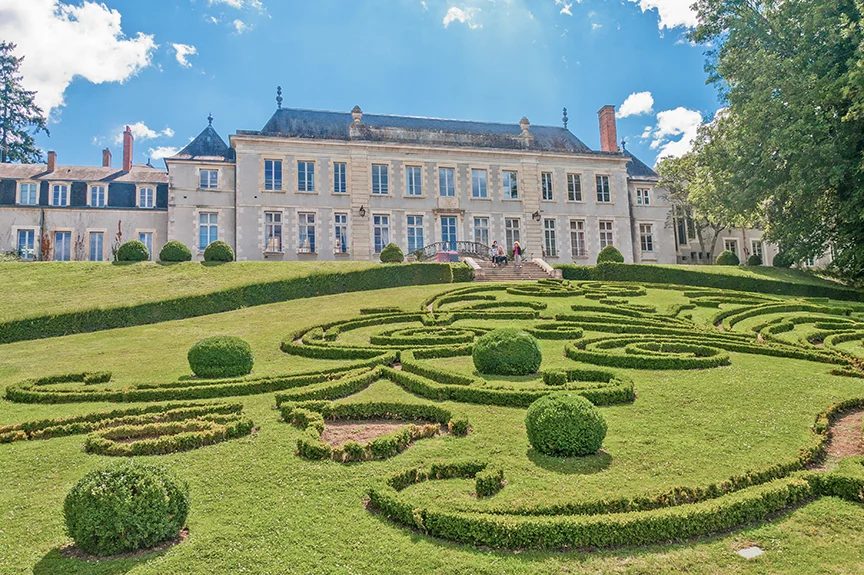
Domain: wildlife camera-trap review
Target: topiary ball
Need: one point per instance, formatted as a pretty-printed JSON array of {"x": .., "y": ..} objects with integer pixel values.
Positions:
[
  {"x": 218, "y": 251},
  {"x": 782, "y": 260},
  {"x": 133, "y": 251},
  {"x": 728, "y": 258},
  {"x": 175, "y": 251},
  {"x": 392, "y": 254},
  {"x": 754, "y": 260},
  {"x": 125, "y": 507},
  {"x": 220, "y": 356},
  {"x": 610, "y": 254},
  {"x": 565, "y": 424},
  {"x": 507, "y": 351}
]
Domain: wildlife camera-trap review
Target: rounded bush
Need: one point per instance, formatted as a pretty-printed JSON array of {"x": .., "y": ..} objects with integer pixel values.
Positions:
[
  {"x": 133, "y": 251},
  {"x": 507, "y": 351},
  {"x": 565, "y": 424},
  {"x": 754, "y": 260},
  {"x": 610, "y": 254},
  {"x": 175, "y": 251},
  {"x": 218, "y": 251},
  {"x": 727, "y": 258},
  {"x": 782, "y": 260},
  {"x": 125, "y": 507},
  {"x": 221, "y": 356},
  {"x": 392, "y": 254}
]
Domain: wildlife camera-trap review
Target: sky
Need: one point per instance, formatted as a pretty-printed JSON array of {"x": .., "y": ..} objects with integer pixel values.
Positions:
[{"x": 162, "y": 66}]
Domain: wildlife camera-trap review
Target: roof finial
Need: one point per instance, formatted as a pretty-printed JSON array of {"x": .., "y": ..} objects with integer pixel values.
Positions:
[
  {"x": 279, "y": 97},
  {"x": 564, "y": 119},
  {"x": 210, "y": 119},
  {"x": 623, "y": 145}
]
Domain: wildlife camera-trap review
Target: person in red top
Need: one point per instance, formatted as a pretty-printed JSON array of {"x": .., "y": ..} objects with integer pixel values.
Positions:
[{"x": 517, "y": 255}]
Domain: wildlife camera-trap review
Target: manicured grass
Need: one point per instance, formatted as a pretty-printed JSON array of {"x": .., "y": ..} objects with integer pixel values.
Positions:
[{"x": 765, "y": 272}]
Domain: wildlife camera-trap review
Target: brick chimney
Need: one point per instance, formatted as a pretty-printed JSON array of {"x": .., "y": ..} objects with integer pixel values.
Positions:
[
  {"x": 52, "y": 161},
  {"x": 608, "y": 131},
  {"x": 106, "y": 158},
  {"x": 127, "y": 149}
]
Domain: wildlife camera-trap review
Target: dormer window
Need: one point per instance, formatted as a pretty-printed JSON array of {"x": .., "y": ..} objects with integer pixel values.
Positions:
[
  {"x": 59, "y": 195},
  {"x": 146, "y": 198},
  {"x": 28, "y": 195},
  {"x": 208, "y": 179},
  {"x": 97, "y": 197}
]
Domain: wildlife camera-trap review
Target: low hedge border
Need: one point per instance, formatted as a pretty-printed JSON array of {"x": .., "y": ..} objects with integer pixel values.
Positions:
[
  {"x": 489, "y": 481},
  {"x": 683, "y": 355},
  {"x": 731, "y": 317}
]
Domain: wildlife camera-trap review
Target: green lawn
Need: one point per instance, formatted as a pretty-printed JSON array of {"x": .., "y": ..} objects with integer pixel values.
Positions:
[{"x": 763, "y": 272}]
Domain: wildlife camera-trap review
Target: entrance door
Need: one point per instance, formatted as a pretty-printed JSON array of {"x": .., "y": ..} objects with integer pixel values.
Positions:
[{"x": 448, "y": 232}]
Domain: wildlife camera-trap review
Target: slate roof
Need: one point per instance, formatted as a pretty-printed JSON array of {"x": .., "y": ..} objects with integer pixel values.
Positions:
[
  {"x": 638, "y": 170},
  {"x": 208, "y": 146},
  {"x": 140, "y": 174}
]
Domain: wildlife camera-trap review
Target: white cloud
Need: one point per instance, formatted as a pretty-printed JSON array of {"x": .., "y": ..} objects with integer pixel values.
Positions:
[
  {"x": 424, "y": 4},
  {"x": 636, "y": 104},
  {"x": 163, "y": 152},
  {"x": 565, "y": 7},
  {"x": 61, "y": 41},
  {"x": 183, "y": 51},
  {"x": 465, "y": 16},
  {"x": 595, "y": 26},
  {"x": 672, "y": 12},
  {"x": 679, "y": 123},
  {"x": 240, "y": 26},
  {"x": 140, "y": 131},
  {"x": 239, "y": 4}
]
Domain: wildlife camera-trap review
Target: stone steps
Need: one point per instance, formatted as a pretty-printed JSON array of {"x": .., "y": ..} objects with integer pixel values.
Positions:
[{"x": 529, "y": 272}]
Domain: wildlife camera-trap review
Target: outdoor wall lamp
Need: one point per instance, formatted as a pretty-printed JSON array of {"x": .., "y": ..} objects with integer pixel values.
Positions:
[
  {"x": 362, "y": 212},
  {"x": 536, "y": 216}
]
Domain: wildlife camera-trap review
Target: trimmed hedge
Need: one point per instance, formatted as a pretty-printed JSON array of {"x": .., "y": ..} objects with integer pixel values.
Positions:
[
  {"x": 507, "y": 351},
  {"x": 565, "y": 424},
  {"x": 220, "y": 356},
  {"x": 728, "y": 258},
  {"x": 175, "y": 251},
  {"x": 133, "y": 251},
  {"x": 754, "y": 260},
  {"x": 610, "y": 254},
  {"x": 782, "y": 260},
  {"x": 392, "y": 254},
  {"x": 489, "y": 481},
  {"x": 218, "y": 251},
  {"x": 462, "y": 273},
  {"x": 166, "y": 437}
]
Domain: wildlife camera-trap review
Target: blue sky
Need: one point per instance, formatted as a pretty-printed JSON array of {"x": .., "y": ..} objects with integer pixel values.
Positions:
[{"x": 163, "y": 65}]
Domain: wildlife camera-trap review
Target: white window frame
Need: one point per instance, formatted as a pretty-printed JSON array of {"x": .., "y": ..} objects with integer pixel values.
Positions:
[
  {"x": 475, "y": 227},
  {"x": 37, "y": 241},
  {"x": 54, "y": 233},
  {"x": 647, "y": 243},
  {"x": 90, "y": 190},
  {"x": 512, "y": 234},
  {"x": 66, "y": 197},
  {"x": 209, "y": 226},
  {"x": 339, "y": 246},
  {"x": 274, "y": 185},
  {"x": 550, "y": 237},
  {"x": 152, "y": 234},
  {"x": 344, "y": 182},
  {"x": 212, "y": 182},
  {"x": 603, "y": 187},
  {"x": 90, "y": 234},
  {"x": 306, "y": 185},
  {"x": 735, "y": 251},
  {"x": 270, "y": 229},
  {"x": 307, "y": 221},
  {"x": 578, "y": 248},
  {"x": 476, "y": 192},
  {"x": 449, "y": 188},
  {"x": 643, "y": 196},
  {"x": 547, "y": 187},
  {"x": 602, "y": 231},
  {"x": 409, "y": 226},
  {"x": 385, "y": 230},
  {"x": 761, "y": 244},
  {"x": 141, "y": 203},
  {"x": 572, "y": 179},
  {"x": 21, "y": 193},
  {"x": 383, "y": 186},
  {"x": 414, "y": 181},
  {"x": 507, "y": 190}
]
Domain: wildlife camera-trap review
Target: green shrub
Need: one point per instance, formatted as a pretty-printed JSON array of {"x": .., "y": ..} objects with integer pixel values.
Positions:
[
  {"x": 489, "y": 481},
  {"x": 782, "y": 260},
  {"x": 555, "y": 377},
  {"x": 459, "y": 426},
  {"x": 564, "y": 423},
  {"x": 610, "y": 254},
  {"x": 125, "y": 507},
  {"x": 218, "y": 251},
  {"x": 392, "y": 254},
  {"x": 727, "y": 258},
  {"x": 507, "y": 351},
  {"x": 754, "y": 260},
  {"x": 220, "y": 356},
  {"x": 94, "y": 377},
  {"x": 133, "y": 251},
  {"x": 462, "y": 272},
  {"x": 175, "y": 251}
]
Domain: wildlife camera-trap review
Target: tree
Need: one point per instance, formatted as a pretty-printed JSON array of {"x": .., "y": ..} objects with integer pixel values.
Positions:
[{"x": 20, "y": 117}]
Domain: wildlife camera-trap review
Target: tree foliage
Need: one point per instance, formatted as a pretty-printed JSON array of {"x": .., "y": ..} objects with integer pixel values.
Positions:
[{"x": 20, "y": 117}]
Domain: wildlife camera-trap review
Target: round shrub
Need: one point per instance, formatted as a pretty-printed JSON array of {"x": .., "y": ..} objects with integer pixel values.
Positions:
[
  {"x": 175, "y": 251},
  {"x": 125, "y": 507},
  {"x": 133, "y": 251},
  {"x": 564, "y": 424},
  {"x": 754, "y": 260},
  {"x": 782, "y": 260},
  {"x": 610, "y": 254},
  {"x": 507, "y": 351},
  {"x": 218, "y": 251},
  {"x": 727, "y": 258},
  {"x": 221, "y": 356},
  {"x": 392, "y": 254}
]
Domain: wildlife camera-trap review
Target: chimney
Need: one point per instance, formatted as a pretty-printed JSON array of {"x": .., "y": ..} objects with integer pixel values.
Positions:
[
  {"x": 608, "y": 131},
  {"x": 127, "y": 149},
  {"x": 106, "y": 158},
  {"x": 52, "y": 161}
]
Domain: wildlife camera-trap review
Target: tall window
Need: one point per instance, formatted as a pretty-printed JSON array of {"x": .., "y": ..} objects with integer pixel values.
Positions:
[
  {"x": 208, "y": 230},
  {"x": 646, "y": 237},
  {"x": 758, "y": 251},
  {"x": 208, "y": 179},
  {"x": 305, "y": 176},
  {"x": 603, "y": 193},
  {"x": 146, "y": 197},
  {"x": 414, "y": 180},
  {"x": 509, "y": 182},
  {"x": 62, "y": 246},
  {"x": 574, "y": 187},
  {"x": 380, "y": 180},
  {"x": 146, "y": 238},
  {"x": 380, "y": 232},
  {"x": 27, "y": 244},
  {"x": 306, "y": 233},
  {"x": 28, "y": 195},
  {"x": 481, "y": 231},
  {"x": 447, "y": 181},
  {"x": 97, "y": 196},
  {"x": 273, "y": 232},
  {"x": 415, "y": 233},
  {"x": 478, "y": 184},
  {"x": 340, "y": 229},
  {"x": 577, "y": 238},
  {"x": 732, "y": 246},
  {"x": 448, "y": 231},
  {"x": 60, "y": 195},
  {"x": 546, "y": 185},
  {"x": 511, "y": 232},
  {"x": 340, "y": 177},
  {"x": 550, "y": 240},
  {"x": 97, "y": 243},
  {"x": 643, "y": 197},
  {"x": 272, "y": 175},
  {"x": 606, "y": 238}
]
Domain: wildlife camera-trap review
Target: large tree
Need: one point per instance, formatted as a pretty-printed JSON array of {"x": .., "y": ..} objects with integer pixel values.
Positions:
[
  {"x": 20, "y": 117},
  {"x": 789, "y": 147}
]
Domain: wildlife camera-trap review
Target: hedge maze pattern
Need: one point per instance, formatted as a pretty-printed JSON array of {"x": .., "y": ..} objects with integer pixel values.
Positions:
[{"x": 603, "y": 333}]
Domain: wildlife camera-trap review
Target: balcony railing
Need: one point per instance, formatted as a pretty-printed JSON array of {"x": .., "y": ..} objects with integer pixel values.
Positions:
[{"x": 472, "y": 249}]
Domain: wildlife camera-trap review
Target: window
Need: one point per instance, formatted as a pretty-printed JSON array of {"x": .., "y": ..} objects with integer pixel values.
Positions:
[
  {"x": 511, "y": 232},
  {"x": 758, "y": 251},
  {"x": 273, "y": 232},
  {"x": 60, "y": 195},
  {"x": 478, "y": 184},
  {"x": 145, "y": 198},
  {"x": 146, "y": 238},
  {"x": 208, "y": 179},
  {"x": 27, "y": 244},
  {"x": 481, "y": 231},
  {"x": 448, "y": 231},
  {"x": 28, "y": 195},
  {"x": 97, "y": 196},
  {"x": 62, "y": 246},
  {"x": 546, "y": 186},
  {"x": 208, "y": 230},
  {"x": 577, "y": 239},
  {"x": 97, "y": 244},
  {"x": 305, "y": 176},
  {"x": 510, "y": 185},
  {"x": 643, "y": 197},
  {"x": 731, "y": 245},
  {"x": 574, "y": 187},
  {"x": 380, "y": 183},
  {"x": 606, "y": 238},
  {"x": 306, "y": 233},
  {"x": 341, "y": 233},
  {"x": 447, "y": 181},
  {"x": 414, "y": 180},
  {"x": 415, "y": 233},
  {"x": 603, "y": 194},
  {"x": 681, "y": 231},
  {"x": 340, "y": 178},
  {"x": 272, "y": 175},
  {"x": 550, "y": 241},
  {"x": 381, "y": 232},
  {"x": 646, "y": 237}
]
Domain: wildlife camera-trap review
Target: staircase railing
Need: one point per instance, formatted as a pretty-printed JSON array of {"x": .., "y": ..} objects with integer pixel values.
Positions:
[{"x": 475, "y": 250}]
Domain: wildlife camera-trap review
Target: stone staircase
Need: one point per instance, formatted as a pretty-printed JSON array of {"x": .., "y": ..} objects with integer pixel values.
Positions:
[{"x": 528, "y": 272}]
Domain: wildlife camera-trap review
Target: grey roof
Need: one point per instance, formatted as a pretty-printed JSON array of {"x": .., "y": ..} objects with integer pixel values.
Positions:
[
  {"x": 140, "y": 174},
  {"x": 208, "y": 146},
  {"x": 290, "y": 122},
  {"x": 638, "y": 170}
]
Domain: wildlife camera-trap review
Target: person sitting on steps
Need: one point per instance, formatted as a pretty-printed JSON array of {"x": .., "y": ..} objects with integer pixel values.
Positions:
[
  {"x": 502, "y": 256},
  {"x": 493, "y": 251}
]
